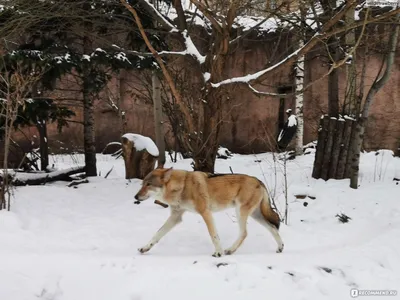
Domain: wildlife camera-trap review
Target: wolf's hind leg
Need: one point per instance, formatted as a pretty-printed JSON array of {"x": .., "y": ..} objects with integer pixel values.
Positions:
[
  {"x": 257, "y": 215},
  {"x": 242, "y": 215}
]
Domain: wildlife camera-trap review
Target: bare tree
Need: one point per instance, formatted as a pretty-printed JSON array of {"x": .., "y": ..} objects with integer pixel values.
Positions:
[
  {"x": 207, "y": 56},
  {"x": 16, "y": 83},
  {"x": 379, "y": 82}
]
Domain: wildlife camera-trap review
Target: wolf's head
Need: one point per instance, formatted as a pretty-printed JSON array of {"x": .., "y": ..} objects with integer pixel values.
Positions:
[{"x": 153, "y": 183}]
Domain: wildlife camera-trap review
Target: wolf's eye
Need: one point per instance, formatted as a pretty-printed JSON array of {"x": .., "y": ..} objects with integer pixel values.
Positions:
[{"x": 148, "y": 184}]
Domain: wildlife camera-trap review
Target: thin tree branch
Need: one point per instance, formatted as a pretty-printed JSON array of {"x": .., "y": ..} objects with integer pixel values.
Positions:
[
  {"x": 390, "y": 57},
  {"x": 166, "y": 74}
]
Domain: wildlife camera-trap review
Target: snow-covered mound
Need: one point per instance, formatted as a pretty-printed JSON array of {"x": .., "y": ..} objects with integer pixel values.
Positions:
[{"x": 61, "y": 243}]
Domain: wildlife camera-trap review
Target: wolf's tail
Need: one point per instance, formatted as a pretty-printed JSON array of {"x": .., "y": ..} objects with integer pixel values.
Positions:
[{"x": 269, "y": 214}]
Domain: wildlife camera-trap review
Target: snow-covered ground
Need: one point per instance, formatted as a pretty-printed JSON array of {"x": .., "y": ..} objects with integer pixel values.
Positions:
[{"x": 65, "y": 243}]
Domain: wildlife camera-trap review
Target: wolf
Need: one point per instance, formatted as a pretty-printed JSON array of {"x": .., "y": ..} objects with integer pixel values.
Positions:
[{"x": 205, "y": 193}]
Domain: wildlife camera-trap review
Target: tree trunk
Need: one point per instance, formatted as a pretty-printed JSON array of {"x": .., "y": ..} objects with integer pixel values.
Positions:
[
  {"x": 206, "y": 152},
  {"x": 337, "y": 142},
  {"x": 328, "y": 149},
  {"x": 319, "y": 154},
  {"x": 89, "y": 137},
  {"x": 344, "y": 148},
  {"x": 44, "y": 147},
  {"x": 333, "y": 82},
  {"x": 351, "y": 71},
  {"x": 120, "y": 87},
  {"x": 355, "y": 157},
  {"x": 347, "y": 169},
  {"x": 299, "y": 82},
  {"x": 158, "y": 119},
  {"x": 376, "y": 86}
]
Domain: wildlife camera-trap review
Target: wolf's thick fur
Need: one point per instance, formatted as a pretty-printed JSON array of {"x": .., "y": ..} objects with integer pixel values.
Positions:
[{"x": 205, "y": 193}]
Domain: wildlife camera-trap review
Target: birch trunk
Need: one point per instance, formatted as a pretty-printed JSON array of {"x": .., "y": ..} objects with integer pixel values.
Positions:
[{"x": 299, "y": 82}]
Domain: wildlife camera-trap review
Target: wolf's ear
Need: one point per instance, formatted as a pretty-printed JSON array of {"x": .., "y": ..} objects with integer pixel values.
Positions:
[{"x": 167, "y": 174}]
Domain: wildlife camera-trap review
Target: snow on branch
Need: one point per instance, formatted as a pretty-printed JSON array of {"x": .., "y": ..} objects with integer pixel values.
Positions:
[
  {"x": 326, "y": 31},
  {"x": 260, "y": 93},
  {"x": 155, "y": 14},
  {"x": 256, "y": 76},
  {"x": 191, "y": 49}
]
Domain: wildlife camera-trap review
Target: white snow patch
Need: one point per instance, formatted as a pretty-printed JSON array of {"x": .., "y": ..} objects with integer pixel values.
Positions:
[
  {"x": 142, "y": 142},
  {"x": 62, "y": 243},
  {"x": 206, "y": 76},
  {"x": 191, "y": 49}
]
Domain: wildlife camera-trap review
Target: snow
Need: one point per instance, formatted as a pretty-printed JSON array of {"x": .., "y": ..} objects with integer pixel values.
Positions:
[
  {"x": 23, "y": 177},
  {"x": 142, "y": 142},
  {"x": 249, "y": 22},
  {"x": 292, "y": 121},
  {"x": 206, "y": 76},
  {"x": 122, "y": 57},
  {"x": 250, "y": 77},
  {"x": 191, "y": 49},
  {"x": 63, "y": 243}
]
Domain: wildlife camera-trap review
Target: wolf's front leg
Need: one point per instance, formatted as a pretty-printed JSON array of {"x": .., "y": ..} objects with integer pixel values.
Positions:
[
  {"x": 174, "y": 219},
  {"x": 209, "y": 220}
]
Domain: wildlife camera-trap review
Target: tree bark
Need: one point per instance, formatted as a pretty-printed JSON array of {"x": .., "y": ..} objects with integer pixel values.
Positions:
[
  {"x": 44, "y": 147},
  {"x": 89, "y": 137},
  {"x": 347, "y": 169},
  {"x": 204, "y": 158},
  {"x": 299, "y": 83},
  {"x": 319, "y": 154},
  {"x": 355, "y": 151},
  {"x": 158, "y": 119},
  {"x": 328, "y": 149},
  {"x": 344, "y": 147},
  {"x": 137, "y": 163},
  {"x": 337, "y": 142},
  {"x": 351, "y": 72},
  {"x": 333, "y": 82}
]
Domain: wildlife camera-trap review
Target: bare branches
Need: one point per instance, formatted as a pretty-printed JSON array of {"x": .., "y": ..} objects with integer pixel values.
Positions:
[
  {"x": 379, "y": 83},
  {"x": 208, "y": 14},
  {"x": 163, "y": 22},
  {"x": 327, "y": 31},
  {"x": 182, "y": 25},
  {"x": 166, "y": 73}
]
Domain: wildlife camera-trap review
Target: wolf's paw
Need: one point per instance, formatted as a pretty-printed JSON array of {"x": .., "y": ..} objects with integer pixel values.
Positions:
[
  {"x": 217, "y": 254},
  {"x": 144, "y": 249},
  {"x": 229, "y": 252},
  {"x": 280, "y": 249}
]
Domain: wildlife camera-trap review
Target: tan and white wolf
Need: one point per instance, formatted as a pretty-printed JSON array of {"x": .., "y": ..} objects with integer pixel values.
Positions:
[{"x": 205, "y": 193}]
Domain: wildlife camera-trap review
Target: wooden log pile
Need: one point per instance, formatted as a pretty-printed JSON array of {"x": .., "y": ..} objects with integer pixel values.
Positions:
[{"x": 333, "y": 156}]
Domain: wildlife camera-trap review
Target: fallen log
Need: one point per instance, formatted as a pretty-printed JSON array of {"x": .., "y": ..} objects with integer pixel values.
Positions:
[{"x": 22, "y": 179}]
